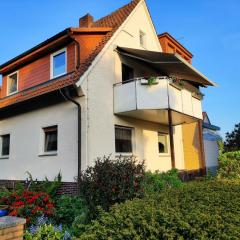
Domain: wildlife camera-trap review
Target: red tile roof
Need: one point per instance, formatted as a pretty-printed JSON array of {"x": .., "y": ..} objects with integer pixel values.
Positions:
[{"x": 113, "y": 21}]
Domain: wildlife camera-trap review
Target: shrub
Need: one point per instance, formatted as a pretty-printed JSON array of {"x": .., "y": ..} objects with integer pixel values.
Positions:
[
  {"x": 29, "y": 205},
  {"x": 199, "y": 210},
  {"x": 68, "y": 209},
  {"x": 229, "y": 165},
  {"x": 155, "y": 182},
  {"x": 49, "y": 187},
  {"x": 111, "y": 181},
  {"x": 47, "y": 231}
]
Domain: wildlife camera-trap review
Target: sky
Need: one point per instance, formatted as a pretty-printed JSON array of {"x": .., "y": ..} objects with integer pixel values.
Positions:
[{"x": 210, "y": 29}]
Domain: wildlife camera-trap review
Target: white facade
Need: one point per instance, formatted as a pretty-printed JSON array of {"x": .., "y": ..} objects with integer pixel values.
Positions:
[{"x": 98, "y": 118}]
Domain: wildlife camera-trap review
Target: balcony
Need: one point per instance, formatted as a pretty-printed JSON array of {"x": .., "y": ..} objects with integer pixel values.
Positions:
[{"x": 137, "y": 99}]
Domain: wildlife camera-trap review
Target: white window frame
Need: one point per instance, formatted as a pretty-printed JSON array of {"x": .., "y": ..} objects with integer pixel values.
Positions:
[
  {"x": 51, "y": 62},
  {"x": 4, "y": 156},
  {"x": 142, "y": 33},
  {"x": 42, "y": 151},
  {"x": 168, "y": 144},
  {"x": 132, "y": 142},
  {"x": 8, "y": 76}
]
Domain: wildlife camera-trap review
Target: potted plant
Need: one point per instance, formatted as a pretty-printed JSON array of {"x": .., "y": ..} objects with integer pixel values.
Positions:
[
  {"x": 149, "y": 81},
  {"x": 3, "y": 210}
]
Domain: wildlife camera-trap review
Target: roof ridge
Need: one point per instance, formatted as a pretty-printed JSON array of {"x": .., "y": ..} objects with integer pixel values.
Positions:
[
  {"x": 103, "y": 20},
  {"x": 114, "y": 20}
]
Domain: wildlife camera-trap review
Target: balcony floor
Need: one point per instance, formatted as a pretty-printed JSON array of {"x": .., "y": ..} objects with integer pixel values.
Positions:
[{"x": 159, "y": 116}]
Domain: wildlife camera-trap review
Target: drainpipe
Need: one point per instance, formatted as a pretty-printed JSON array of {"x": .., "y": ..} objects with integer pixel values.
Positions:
[{"x": 67, "y": 96}]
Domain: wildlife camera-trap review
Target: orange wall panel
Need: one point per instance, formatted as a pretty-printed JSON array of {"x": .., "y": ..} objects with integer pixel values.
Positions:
[{"x": 38, "y": 72}]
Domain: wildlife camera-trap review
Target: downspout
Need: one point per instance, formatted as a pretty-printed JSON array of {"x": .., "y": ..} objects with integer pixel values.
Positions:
[{"x": 67, "y": 95}]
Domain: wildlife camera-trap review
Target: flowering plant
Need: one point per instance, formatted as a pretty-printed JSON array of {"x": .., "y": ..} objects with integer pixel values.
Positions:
[{"x": 29, "y": 205}]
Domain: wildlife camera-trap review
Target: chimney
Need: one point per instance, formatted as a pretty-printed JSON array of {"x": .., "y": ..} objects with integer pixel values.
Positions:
[{"x": 86, "y": 21}]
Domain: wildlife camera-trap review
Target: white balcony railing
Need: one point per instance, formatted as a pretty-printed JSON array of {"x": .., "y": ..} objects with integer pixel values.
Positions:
[{"x": 137, "y": 95}]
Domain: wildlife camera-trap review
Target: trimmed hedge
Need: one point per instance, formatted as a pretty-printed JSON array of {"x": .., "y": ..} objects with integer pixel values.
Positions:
[{"x": 199, "y": 210}]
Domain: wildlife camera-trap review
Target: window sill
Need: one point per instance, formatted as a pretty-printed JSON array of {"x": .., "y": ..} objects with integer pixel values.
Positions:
[
  {"x": 124, "y": 154},
  {"x": 164, "y": 155},
  {"x": 4, "y": 157},
  {"x": 48, "y": 154}
]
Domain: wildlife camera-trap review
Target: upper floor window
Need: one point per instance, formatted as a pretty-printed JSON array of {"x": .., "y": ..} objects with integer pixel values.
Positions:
[
  {"x": 5, "y": 145},
  {"x": 142, "y": 39},
  {"x": 59, "y": 63},
  {"x": 127, "y": 73},
  {"x": 12, "y": 83},
  {"x": 162, "y": 143},
  {"x": 123, "y": 139}
]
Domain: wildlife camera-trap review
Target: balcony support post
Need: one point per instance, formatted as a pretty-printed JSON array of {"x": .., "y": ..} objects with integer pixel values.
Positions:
[{"x": 171, "y": 138}]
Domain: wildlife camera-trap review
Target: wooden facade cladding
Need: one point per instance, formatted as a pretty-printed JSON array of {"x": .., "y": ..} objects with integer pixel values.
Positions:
[
  {"x": 171, "y": 45},
  {"x": 38, "y": 71}
]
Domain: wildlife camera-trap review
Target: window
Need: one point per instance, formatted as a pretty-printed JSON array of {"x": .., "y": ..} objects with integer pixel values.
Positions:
[
  {"x": 162, "y": 143},
  {"x": 127, "y": 73},
  {"x": 123, "y": 139},
  {"x": 12, "y": 83},
  {"x": 142, "y": 38},
  {"x": 5, "y": 144},
  {"x": 58, "y": 63},
  {"x": 50, "y": 139}
]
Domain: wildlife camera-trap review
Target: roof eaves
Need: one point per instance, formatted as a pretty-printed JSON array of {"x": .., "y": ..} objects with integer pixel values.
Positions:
[{"x": 49, "y": 40}]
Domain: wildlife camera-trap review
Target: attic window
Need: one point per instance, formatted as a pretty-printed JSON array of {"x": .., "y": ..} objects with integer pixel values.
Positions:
[
  {"x": 12, "y": 83},
  {"x": 59, "y": 63},
  {"x": 142, "y": 39}
]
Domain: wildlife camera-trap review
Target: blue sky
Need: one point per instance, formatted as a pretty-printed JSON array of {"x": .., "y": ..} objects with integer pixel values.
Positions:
[{"x": 209, "y": 29}]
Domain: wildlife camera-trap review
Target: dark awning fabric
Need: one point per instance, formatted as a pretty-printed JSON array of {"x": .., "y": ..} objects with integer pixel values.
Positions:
[{"x": 169, "y": 64}]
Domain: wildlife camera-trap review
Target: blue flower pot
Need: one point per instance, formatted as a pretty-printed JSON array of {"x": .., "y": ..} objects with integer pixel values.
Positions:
[{"x": 3, "y": 212}]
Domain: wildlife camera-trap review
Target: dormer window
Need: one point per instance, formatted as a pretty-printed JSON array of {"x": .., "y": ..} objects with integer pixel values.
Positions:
[
  {"x": 59, "y": 63},
  {"x": 142, "y": 39},
  {"x": 12, "y": 83}
]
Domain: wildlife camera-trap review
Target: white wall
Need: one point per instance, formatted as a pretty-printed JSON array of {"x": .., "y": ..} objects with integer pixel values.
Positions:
[
  {"x": 98, "y": 87},
  {"x": 25, "y": 144}
]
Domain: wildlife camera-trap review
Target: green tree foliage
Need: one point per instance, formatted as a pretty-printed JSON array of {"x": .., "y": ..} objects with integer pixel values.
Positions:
[
  {"x": 229, "y": 165},
  {"x": 232, "y": 142}
]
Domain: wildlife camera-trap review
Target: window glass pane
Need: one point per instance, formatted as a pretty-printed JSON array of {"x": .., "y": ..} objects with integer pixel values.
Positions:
[
  {"x": 59, "y": 64},
  {"x": 162, "y": 143},
  {"x": 50, "y": 139},
  {"x": 12, "y": 83},
  {"x": 127, "y": 73},
  {"x": 5, "y": 144},
  {"x": 123, "y": 140}
]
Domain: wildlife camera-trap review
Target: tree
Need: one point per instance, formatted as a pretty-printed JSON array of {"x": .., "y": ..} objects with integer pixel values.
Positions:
[{"x": 232, "y": 142}]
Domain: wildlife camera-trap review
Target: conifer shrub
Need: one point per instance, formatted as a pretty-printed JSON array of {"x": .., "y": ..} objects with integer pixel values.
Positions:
[{"x": 199, "y": 210}]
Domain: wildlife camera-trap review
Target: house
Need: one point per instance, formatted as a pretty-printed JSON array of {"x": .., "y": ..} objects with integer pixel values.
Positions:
[
  {"x": 111, "y": 86},
  {"x": 211, "y": 137}
]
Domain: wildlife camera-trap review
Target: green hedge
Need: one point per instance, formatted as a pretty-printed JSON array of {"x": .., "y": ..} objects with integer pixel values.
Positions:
[
  {"x": 229, "y": 165},
  {"x": 204, "y": 210}
]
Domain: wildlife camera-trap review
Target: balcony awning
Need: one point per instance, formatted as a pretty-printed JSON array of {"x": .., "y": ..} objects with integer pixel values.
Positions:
[{"x": 169, "y": 64}]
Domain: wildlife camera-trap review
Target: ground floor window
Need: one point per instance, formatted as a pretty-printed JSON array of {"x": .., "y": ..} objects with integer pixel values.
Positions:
[
  {"x": 123, "y": 139},
  {"x": 5, "y": 145},
  {"x": 162, "y": 143},
  {"x": 50, "y": 139}
]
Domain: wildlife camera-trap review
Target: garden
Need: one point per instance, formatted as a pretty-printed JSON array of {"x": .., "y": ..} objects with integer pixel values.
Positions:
[{"x": 118, "y": 199}]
